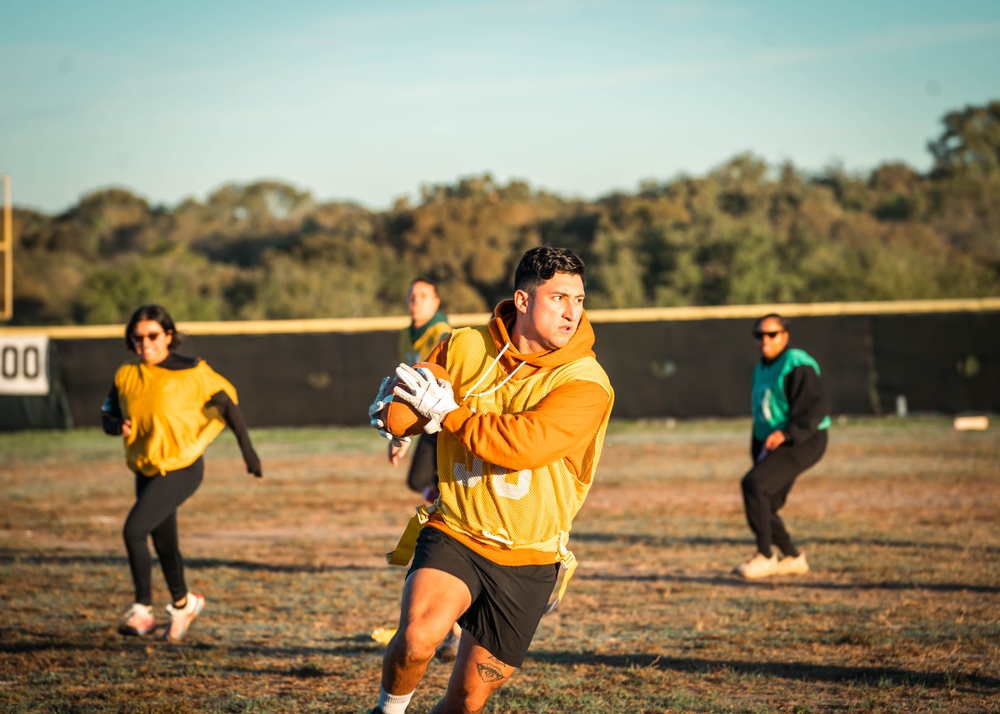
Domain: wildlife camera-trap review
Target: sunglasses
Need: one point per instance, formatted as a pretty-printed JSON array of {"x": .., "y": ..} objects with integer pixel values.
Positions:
[
  {"x": 760, "y": 334},
  {"x": 152, "y": 337}
]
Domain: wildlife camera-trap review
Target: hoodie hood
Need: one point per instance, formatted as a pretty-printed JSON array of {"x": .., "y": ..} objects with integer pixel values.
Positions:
[{"x": 500, "y": 327}]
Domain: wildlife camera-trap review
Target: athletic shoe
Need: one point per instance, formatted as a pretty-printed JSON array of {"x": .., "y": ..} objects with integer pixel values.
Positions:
[
  {"x": 759, "y": 566},
  {"x": 793, "y": 566},
  {"x": 138, "y": 620},
  {"x": 447, "y": 651},
  {"x": 182, "y": 617}
]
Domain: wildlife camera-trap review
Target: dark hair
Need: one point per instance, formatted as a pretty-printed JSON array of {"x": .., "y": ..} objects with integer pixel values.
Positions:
[
  {"x": 429, "y": 281},
  {"x": 783, "y": 321},
  {"x": 158, "y": 314},
  {"x": 541, "y": 263}
]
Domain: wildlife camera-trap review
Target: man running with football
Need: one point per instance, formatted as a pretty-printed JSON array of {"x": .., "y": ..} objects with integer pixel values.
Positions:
[{"x": 521, "y": 427}]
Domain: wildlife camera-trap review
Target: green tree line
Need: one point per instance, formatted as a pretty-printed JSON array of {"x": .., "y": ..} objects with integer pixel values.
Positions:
[{"x": 745, "y": 233}]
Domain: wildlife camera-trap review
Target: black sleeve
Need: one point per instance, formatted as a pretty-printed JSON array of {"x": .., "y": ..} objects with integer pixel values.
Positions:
[
  {"x": 807, "y": 403},
  {"x": 230, "y": 411},
  {"x": 111, "y": 414}
]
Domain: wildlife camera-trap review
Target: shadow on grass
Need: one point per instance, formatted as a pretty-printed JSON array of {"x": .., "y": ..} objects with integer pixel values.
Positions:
[
  {"x": 916, "y": 545},
  {"x": 670, "y": 541},
  {"x": 658, "y": 541},
  {"x": 733, "y": 581},
  {"x": 15, "y": 640},
  {"x": 801, "y": 671},
  {"x": 8, "y": 557},
  {"x": 18, "y": 639}
]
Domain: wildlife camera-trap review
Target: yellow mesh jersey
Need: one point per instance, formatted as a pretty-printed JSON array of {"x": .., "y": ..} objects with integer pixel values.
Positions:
[
  {"x": 529, "y": 509},
  {"x": 417, "y": 350},
  {"x": 171, "y": 424}
]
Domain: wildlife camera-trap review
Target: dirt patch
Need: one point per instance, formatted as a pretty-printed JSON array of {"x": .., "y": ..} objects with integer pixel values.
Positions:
[{"x": 899, "y": 612}]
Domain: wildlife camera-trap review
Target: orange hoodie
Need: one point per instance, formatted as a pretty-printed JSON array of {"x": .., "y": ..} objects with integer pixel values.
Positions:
[{"x": 560, "y": 427}]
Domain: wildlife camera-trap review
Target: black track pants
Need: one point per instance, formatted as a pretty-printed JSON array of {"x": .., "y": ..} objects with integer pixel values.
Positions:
[
  {"x": 766, "y": 486},
  {"x": 155, "y": 513}
]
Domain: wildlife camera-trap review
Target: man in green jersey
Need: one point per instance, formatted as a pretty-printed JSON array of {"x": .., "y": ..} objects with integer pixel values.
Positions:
[
  {"x": 427, "y": 328},
  {"x": 790, "y": 420}
]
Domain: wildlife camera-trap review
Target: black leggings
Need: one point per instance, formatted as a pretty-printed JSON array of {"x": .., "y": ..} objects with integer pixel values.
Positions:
[
  {"x": 766, "y": 486},
  {"x": 155, "y": 513}
]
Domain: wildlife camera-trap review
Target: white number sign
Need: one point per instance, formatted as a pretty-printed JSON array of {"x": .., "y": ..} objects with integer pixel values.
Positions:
[{"x": 24, "y": 364}]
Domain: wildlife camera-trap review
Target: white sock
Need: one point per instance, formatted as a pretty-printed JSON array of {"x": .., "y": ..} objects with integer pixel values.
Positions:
[{"x": 392, "y": 704}]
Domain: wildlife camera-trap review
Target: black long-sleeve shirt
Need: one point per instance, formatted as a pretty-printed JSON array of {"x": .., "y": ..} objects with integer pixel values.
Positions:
[{"x": 807, "y": 403}]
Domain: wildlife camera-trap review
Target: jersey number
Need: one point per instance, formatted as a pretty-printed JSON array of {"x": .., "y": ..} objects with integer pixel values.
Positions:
[{"x": 470, "y": 478}]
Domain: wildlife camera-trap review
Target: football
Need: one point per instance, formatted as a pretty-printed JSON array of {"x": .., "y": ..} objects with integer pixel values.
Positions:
[{"x": 398, "y": 416}]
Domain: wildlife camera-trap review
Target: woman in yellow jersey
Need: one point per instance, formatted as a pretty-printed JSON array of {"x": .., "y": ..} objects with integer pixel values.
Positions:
[{"x": 168, "y": 408}]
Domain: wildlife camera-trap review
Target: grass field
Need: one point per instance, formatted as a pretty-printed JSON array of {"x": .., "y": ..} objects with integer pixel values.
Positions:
[{"x": 901, "y": 612}]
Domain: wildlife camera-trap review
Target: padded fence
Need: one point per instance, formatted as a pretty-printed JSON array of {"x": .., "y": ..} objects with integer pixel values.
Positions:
[
  {"x": 702, "y": 368},
  {"x": 691, "y": 368},
  {"x": 32, "y": 393},
  {"x": 946, "y": 363},
  {"x": 281, "y": 379}
]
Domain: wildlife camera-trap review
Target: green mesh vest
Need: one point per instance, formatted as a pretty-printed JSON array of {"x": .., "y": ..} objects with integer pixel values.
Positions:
[{"x": 768, "y": 400}]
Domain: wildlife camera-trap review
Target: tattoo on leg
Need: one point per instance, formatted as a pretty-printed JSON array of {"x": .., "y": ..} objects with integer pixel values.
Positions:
[{"x": 491, "y": 671}]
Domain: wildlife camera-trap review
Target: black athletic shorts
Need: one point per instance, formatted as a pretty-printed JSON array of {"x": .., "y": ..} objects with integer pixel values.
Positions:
[{"x": 507, "y": 600}]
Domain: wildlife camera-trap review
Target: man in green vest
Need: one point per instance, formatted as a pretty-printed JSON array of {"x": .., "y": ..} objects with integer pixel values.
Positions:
[
  {"x": 790, "y": 420},
  {"x": 427, "y": 328}
]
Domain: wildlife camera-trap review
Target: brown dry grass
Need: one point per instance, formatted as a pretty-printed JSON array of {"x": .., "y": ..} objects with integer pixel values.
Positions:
[{"x": 901, "y": 612}]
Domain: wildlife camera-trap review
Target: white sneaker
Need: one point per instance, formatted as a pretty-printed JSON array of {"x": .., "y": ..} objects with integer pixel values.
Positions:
[
  {"x": 759, "y": 566},
  {"x": 138, "y": 620},
  {"x": 182, "y": 617},
  {"x": 793, "y": 566}
]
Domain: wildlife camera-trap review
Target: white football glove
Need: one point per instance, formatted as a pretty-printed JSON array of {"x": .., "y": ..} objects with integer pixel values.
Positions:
[
  {"x": 430, "y": 397},
  {"x": 381, "y": 399}
]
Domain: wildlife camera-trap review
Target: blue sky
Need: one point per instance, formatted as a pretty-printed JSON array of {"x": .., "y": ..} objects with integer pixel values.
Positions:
[{"x": 365, "y": 101}]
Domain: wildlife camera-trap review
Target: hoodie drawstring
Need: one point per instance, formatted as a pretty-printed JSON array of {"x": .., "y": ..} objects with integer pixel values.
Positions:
[{"x": 496, "y": 360}]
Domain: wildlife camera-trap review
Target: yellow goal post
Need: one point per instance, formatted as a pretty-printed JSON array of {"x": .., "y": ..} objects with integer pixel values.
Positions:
[{"x": 7, "y": 255}]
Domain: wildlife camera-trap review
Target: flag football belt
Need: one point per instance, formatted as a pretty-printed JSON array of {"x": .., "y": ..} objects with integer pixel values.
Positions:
[
  {"x": 567, "y": 566},
  {"x": 408, "y": 543}
]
